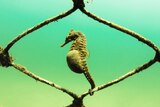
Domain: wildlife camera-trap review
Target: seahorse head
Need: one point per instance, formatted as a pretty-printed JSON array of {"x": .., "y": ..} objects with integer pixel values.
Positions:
[{"x": 73, "y": 35}]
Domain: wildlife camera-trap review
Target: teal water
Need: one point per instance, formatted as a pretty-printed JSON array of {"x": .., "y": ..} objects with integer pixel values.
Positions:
[{"x": 112, "y": 53}]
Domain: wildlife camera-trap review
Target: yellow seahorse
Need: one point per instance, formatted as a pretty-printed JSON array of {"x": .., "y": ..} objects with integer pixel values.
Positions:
[{"x": 76, "y": 57}]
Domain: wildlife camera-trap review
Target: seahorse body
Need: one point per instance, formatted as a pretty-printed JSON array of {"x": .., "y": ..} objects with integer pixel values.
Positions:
[{"x": 76, "y": 57}]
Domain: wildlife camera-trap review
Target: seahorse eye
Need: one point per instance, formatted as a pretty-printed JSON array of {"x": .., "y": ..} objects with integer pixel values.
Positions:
[
  {"x": 73, "y": 37},
  {"x": 68, "y": 39},
  {"x": 69, "y": 34}
]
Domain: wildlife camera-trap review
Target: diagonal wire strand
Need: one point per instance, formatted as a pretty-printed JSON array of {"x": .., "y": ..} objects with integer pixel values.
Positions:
[
  {"x": 32, "y": 75},
  {"x": 36, "y": 27},
  {"x": 122, "y": 29},
  {"x": 127, "y": 75}
]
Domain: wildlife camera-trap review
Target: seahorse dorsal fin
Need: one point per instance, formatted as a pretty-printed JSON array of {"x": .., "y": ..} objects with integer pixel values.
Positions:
[{"x": 88, "y": 54}]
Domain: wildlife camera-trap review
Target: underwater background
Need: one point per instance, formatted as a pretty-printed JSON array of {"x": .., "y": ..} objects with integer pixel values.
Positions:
[{"x": 112, "y": 53}]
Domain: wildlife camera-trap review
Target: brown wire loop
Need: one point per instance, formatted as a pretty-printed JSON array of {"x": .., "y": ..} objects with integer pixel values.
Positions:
[{"x": 6, "y": 59}]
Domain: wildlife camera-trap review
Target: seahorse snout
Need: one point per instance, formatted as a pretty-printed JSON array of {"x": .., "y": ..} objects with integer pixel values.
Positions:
[
  {"x": 66, "y": 41},
  {"x": 63, "y": 44}
]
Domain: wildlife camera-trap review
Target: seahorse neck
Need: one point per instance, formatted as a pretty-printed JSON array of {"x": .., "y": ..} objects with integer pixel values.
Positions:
[{"x": 79, "y": 43}]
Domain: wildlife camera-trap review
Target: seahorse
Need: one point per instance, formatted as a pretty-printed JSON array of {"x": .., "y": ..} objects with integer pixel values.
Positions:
[{"x": 77, "y": 55}]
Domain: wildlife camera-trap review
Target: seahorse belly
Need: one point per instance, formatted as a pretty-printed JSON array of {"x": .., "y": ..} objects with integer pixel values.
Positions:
[{"x": 74, "y": 61}]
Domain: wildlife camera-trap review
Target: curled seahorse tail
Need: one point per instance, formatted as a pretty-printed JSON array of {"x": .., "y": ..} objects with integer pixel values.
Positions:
[{"x": 90, "y": 79}]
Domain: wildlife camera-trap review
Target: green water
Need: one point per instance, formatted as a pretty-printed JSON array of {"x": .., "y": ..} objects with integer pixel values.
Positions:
[{"x": 112, "y": 53}]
